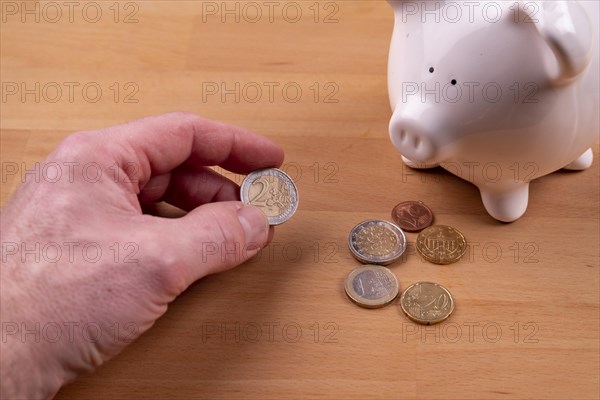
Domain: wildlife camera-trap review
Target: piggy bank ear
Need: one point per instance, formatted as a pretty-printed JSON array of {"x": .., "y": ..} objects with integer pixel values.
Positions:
[{"x": 566, "y": 29}]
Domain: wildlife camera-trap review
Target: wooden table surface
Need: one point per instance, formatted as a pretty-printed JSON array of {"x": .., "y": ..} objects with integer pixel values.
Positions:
[{"x": 526, "y": 323}]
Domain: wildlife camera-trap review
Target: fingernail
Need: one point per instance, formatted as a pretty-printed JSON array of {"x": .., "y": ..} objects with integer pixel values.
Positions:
[{"x": 255, "y": 224}]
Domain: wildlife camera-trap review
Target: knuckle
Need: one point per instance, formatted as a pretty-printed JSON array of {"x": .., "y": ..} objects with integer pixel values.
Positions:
[
  {"x": 166, "y": 270},
  {"x": 227, "y": 229},
  {"x": 171, "y": 273},
  {"x": 181, "y": 114},
  {"x": 76, "y": 145},
  {"x": 185, "y": 122},
  {"x": 223, "y": 243},
  {"x": 186, "y": 118}
]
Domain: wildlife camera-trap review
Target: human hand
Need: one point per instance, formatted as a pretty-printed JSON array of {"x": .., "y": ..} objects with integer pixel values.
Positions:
[{"x": 79, "y": 258}]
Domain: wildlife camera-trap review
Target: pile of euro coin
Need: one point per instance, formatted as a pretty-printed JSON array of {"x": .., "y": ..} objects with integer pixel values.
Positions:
[{"x": 377, "y": 243}]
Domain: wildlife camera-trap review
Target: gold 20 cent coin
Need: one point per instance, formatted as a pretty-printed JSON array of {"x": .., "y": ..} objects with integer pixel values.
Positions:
[
  {"x": 427, "y": 303},
  {"x": 441, "y": 244}
]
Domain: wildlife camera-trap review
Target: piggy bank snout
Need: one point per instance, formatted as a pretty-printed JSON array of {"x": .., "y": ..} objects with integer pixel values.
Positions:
[{"x": 412, "y": 139}]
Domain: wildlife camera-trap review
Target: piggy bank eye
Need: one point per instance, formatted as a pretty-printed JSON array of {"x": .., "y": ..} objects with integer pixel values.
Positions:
[
  {"x": 431, "y": 70},
  {"x": 453, "y": 82}
]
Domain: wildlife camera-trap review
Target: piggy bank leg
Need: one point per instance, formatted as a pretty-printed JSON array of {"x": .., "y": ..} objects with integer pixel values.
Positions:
[
  {"x": 506, "y": 204},
  {"x": 416, "y": 165},
  {"x": 583, "y": 162}
]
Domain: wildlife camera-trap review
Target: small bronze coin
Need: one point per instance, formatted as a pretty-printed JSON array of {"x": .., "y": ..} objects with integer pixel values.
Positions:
[
  {"x": 427, "y": 303},
  {"x": 377, "y": 242},
  {"x": 441, "y": 244},
  {"x": 372, "y": 286},
  {"x": 412, "y": 216}
]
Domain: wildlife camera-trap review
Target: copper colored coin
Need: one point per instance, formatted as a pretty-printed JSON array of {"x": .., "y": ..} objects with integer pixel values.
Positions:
[{"x": 412, "y": 216}]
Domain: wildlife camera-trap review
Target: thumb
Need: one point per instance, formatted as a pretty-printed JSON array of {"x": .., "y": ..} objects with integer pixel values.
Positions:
[{"x": 213, "y": 238}]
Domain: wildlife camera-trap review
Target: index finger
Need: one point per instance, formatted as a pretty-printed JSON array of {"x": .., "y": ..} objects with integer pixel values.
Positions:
[{"x": 159, "y": 144}]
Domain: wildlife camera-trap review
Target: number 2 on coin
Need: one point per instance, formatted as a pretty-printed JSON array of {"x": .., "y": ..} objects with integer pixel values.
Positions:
[{"x": 264, "y": 190}]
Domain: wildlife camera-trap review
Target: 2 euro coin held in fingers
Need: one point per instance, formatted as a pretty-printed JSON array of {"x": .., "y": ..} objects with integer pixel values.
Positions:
[
  {"x": 273, "y": 191},
  {"x": 372, "y": 286}
]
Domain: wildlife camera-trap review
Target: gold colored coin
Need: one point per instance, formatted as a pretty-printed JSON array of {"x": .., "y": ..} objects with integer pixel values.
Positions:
[
  {"x": 372, "y": 286},
  {"x": 427, "y": 303},
  {"x": 441, "y": 244}
]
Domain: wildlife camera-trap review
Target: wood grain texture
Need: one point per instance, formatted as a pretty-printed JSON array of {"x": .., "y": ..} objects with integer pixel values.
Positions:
[{"x": 527, "y": 293}]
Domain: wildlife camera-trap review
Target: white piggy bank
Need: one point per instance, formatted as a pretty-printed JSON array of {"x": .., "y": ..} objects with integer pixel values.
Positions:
[{"x": 496, "y": 92}]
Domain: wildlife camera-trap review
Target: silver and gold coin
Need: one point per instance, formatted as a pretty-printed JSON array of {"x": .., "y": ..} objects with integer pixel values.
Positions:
[
  {"x": 273, "y": 191},
  {"x": 441, "y": 244},
  {"x": 427, "y": 303},
  {"x": 377, "y": 242},
  {"x": 372, "y": 286}
]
